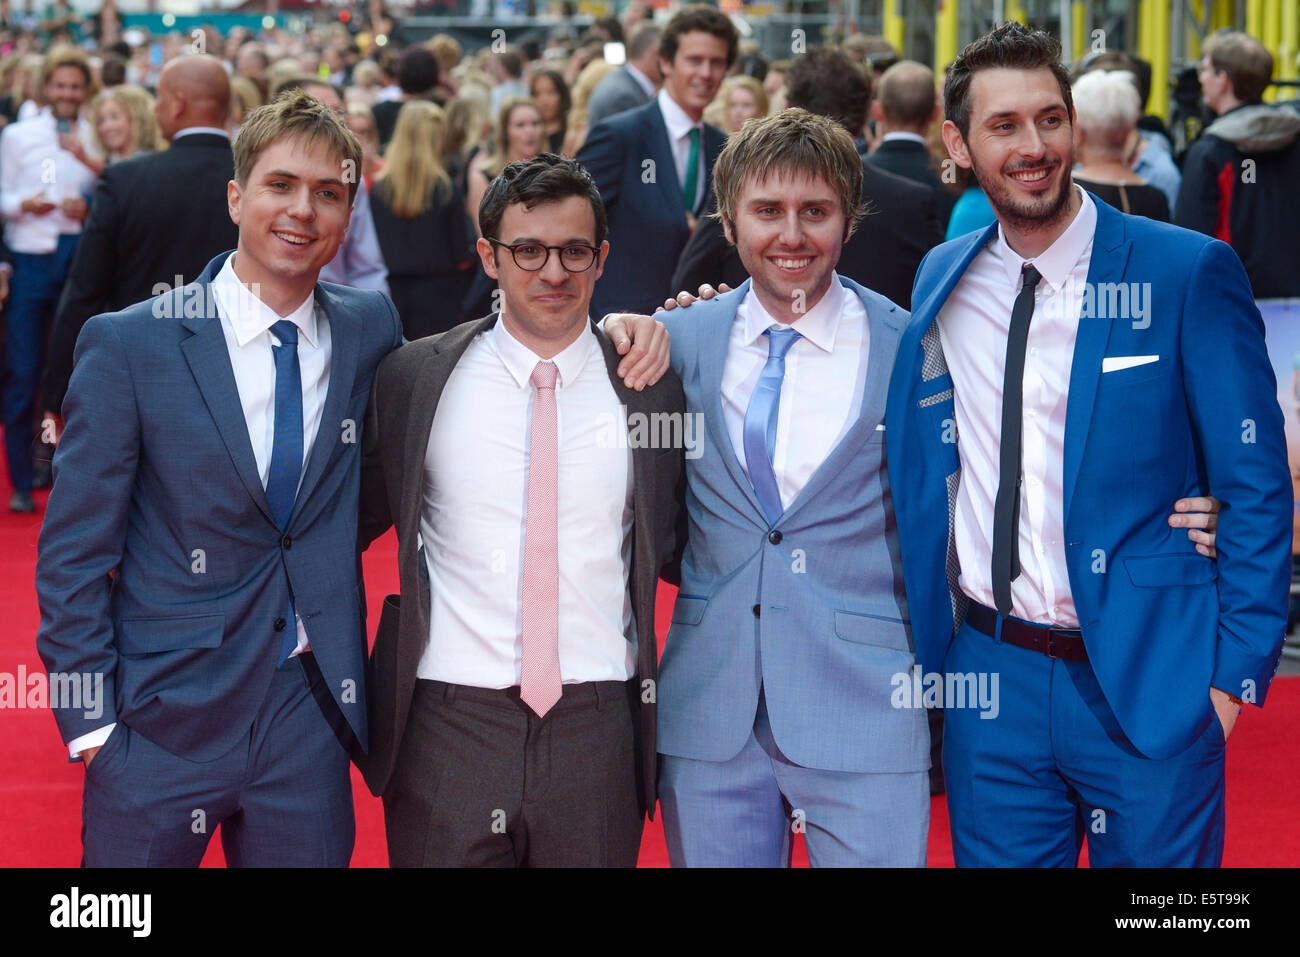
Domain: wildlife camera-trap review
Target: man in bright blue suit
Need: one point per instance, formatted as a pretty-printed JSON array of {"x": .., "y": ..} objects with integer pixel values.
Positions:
[
  {"x": 198, "y": 561},
  {"x": 1066, "y": 373},
  {"x": 653, "y": 164}
]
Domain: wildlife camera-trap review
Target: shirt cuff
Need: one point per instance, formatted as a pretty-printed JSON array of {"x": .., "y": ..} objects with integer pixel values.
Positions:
[{"x": 93, "y": 739}]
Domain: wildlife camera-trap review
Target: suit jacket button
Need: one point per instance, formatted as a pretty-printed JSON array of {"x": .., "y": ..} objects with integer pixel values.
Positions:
[
  {"x": 288, "y": 543},
  {"x": 279, "y": 624},
  {"x": 775, "y": 537},
  {"x": 758, "y": 611}
]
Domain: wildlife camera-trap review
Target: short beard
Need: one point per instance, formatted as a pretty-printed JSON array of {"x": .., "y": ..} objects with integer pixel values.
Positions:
[{"x": 1019, "y": 218}]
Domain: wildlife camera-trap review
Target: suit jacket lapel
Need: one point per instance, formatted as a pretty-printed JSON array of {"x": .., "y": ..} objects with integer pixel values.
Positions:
[
  {"x": 885, "y": 328},
  {"x": 345, "y": 347},
  {"x": 209, "y": 360},
  {"x": 1110, "y": 252},
  {"x": 715, "y": 337},
  {"x": 661, "y": 149},
  {"x": 422, "y": 396}
]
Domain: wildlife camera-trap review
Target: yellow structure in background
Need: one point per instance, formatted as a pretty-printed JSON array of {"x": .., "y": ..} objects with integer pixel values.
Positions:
[
  {"x": 945, "y": 34},
  {"x": 893, "y": 25},
  {"x": 1078, "y": 24}
]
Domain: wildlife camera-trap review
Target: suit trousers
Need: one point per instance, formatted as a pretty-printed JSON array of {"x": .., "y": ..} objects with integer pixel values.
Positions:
[
  {"x": 36, "y": 283},
  {"x": 744, "y": 812},
  {"x": 482, "y": 781},
  {"x": 283, "y": 795},
  {"x": 1026, "y": 786}
]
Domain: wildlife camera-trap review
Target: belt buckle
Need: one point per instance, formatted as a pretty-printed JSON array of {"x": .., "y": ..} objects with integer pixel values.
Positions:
[{"x": 1051, "y": 649}]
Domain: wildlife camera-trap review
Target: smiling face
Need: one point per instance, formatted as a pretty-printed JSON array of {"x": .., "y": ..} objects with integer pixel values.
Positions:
[
  {"x": 789, "y": 231},
  {"x": 292, "y": 215},
  {"x": 546, "y": 310},
  {"x": 114, "y": 127},
  {"x": 695, "y": 74},
  {"x": 1020, "y": 147},
  {"x": 524, "y": 133},
  {"x": 65, "y": 91}
]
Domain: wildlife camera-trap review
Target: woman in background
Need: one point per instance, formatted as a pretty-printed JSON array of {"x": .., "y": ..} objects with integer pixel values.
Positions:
[
  {"x": 551, "y": 94},
  {"x": 740, "y": 98},
  {"x": 1107, "y": 107},
  {"x": 576, "y": 135},
  {"x": 419, "y": 216},
  {"x": 519, "y": 136}
]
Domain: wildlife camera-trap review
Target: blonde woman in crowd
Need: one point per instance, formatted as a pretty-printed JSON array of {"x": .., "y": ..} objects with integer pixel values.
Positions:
[
  {"x": 520, "y": 135},
  {"x": 122, "y": 123},
  {"x": 591, "y": 74},
  {"x": 424, "y": 234},
  {"x": 361, "y": 122},
  {"x": 740, "y": 98}
]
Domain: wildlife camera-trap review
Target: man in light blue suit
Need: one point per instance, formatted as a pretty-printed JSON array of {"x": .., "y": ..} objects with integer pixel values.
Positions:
[
  {"x": 1067, "y": 373},
  {"x": 198, "y": 562},
  {"x": 775, "y": 711}
]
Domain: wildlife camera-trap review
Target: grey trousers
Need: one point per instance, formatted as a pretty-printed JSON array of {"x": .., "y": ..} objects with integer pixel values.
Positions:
[{"x": 481, "y": 781}]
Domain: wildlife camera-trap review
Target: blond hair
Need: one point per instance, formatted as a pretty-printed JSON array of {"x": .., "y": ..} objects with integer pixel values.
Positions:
[
  {"x": 136, "y": 102},
  {"x": 413, "y": 172},
  {"x": 794, "y": 142},
  {"x": 294, "y": 113},
  {"x": 62, "y": 56}
]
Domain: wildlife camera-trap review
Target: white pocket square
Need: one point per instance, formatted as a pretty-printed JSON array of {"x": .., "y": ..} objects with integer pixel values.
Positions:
[
  {"x": 880, "y": 427},
  {"x": 1115, "y": 363}
]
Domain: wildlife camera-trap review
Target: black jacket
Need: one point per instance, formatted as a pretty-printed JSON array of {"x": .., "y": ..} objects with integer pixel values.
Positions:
[{"x": 154, "y": 218}]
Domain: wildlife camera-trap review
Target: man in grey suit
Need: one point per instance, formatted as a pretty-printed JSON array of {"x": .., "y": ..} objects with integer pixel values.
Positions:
[
  {"x": 634, "y": 83},
  {"x": 513, "y": 680}
]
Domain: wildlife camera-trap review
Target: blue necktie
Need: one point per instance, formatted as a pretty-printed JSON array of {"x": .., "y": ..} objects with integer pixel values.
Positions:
[
  {"x": 760, "y": 422},
  {"x": 286, "y": 448}
]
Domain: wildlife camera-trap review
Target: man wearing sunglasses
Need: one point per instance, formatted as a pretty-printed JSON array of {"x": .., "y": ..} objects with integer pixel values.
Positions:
[{"x": 512, "y": 682}]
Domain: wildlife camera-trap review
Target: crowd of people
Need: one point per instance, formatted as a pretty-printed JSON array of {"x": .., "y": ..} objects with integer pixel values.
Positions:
[{"x": 541, "y": 184}]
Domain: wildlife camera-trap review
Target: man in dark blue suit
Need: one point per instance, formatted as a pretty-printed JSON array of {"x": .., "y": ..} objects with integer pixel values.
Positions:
[
  {"x": 653, "y": 164},
  {"x": 1065, "y": 375},
  {"x": 198, "y": 561}
]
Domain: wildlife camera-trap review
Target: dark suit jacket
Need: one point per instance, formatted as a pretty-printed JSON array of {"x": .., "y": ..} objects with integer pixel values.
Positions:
[
  {"x": 912, "y": 160},
  {"x": 408, "y": 386},
  {"x": 617, "y": 92},
  {"x": 883, "y": 254},
  {"x": 631, "y": 160},
  {"x": 153, "y": 218},
  {"x": 155, "y": 481}
]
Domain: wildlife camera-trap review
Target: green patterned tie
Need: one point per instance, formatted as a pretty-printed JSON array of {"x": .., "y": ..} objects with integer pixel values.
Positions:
[{"x": 692, "y": 171}]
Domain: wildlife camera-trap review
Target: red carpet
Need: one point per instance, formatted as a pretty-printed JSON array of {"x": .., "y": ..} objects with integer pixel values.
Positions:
[{"x": 40, "y": 813}]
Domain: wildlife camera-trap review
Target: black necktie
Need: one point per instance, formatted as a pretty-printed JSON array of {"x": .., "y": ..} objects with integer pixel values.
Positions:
[{"x": 1006, "y": 510}]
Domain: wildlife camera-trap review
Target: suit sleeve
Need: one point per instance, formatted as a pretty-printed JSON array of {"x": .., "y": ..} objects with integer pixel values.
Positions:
[
  {"x": 1232, "y": 398},
  {"x": 88, "y": 291},
  {"x": 375, "y": 516},
  {"x": 1198, "y": 197},
  {"x": 84, "y": 532},
  {"x": 11, "y": 200}
]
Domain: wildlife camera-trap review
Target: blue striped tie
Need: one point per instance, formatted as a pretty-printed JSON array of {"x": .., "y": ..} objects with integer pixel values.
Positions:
[
  {"x": 286, "y": 448},
  {"x": 760, "y": 422}
]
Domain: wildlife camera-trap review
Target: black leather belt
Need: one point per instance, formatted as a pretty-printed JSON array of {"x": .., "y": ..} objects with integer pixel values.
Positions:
[{"x": 1053, "y": 642}]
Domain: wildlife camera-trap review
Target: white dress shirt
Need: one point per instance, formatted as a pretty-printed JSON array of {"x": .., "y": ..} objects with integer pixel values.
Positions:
[
  {"x": 641, "y": 79},
  {"x": 904, "y": 135},
  {"x": 246, "y": 323},
  {"x": 973, "y": 327},
  {"x": 679, "y": 138},
  {"x": 31, "y": 162},
  {"x": 821, "y": 395},
  {"x": 474, "y": 509}
]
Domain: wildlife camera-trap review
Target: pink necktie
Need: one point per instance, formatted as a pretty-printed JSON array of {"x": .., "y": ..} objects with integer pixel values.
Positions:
[{"x": 539, "y": 684}]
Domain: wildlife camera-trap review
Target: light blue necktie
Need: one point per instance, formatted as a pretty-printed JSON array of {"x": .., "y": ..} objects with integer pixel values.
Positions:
[
  {"x": 286, "y": 449},
  {"x": 760, "y": 422}
]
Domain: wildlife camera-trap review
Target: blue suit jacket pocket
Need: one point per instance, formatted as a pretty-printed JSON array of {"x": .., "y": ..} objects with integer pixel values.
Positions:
[
  {"x": 881, "y": 630},
  {"x": 689, "y": 609},
  {"x": 1157, "y": 570},
  {"x": 145, "y": 636}
]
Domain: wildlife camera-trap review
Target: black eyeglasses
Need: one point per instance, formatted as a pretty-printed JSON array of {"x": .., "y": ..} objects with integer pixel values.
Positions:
[{"x": 531, "y": 257}]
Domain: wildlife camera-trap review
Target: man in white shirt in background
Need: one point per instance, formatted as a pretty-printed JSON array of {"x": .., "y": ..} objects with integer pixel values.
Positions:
[{"x": 43, "y": 190}]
